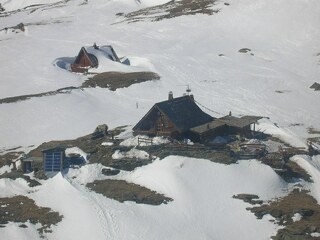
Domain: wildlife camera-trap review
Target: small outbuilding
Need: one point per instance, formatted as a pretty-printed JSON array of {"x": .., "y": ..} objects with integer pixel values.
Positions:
[
  {"x": 88, "y": 57},
  {"x": 173, "y": 118},
  {"x": 30, "y": 164},
  {"x": 227, "y": 125}
]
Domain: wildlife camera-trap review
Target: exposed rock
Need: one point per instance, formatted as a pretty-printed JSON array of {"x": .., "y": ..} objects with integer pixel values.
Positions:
[
  {"x": 20, "y": 26},
  {"x": 315, "y": 86},
  {"x": 8, "y": 158},
  {"x": 115, "y": 80},
  {"x": 249, "y": 198},
  {"x": 289, "y": 171},
  {"x": 100, "y": 131},
  {"x": 173, "y": 9},
  {"x": 110, "y": 172},
  {"x": 15, "y": 175},
  {"x": 244, "y": 50},
  {"x": 121, "y": 191},
  {"x": 284, "y": 210},
  {"x": 21, "y": 209},
  {"x": 40, "y": 175}
]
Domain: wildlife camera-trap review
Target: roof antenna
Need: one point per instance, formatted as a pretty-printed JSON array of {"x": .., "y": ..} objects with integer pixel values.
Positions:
[
  {"x": 95, "y": 46},
  {"x": 188, "y": 90}
]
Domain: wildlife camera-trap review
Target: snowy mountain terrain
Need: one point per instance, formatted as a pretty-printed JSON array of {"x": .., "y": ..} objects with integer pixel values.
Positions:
[{"x": 250, "y": 57}]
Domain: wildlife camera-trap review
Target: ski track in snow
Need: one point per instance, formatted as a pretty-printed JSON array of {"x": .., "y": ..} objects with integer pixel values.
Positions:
[{"x": 106, "y": 219}]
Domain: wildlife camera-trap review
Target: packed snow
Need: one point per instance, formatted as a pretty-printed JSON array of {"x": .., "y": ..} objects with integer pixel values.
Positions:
[
  {"x": 132, "y": 153},
  {"x": 107, "y": 144},
  {"x": 77, "y": 151},
  {"x": 296, "y": 217},
  {"x": 4, "y": 169}
]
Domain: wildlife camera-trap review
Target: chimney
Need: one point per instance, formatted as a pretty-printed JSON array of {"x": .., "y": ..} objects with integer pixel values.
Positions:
[
  {"x": 170, "y": 96},
  {"x": 191, "y": 97}
]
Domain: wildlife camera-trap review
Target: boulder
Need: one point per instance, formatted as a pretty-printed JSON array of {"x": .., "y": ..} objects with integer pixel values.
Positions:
[
  {"x": 315, "y": 86},
  {"x": 110, "y": 172},
  {"x": 100, "y": 131}
]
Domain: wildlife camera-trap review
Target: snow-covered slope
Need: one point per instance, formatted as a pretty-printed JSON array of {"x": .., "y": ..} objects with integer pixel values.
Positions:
[
  {"x": 202, "y": 51},
  {"x": 203, "y": 207},
  {"x": 282, "y": 35}
]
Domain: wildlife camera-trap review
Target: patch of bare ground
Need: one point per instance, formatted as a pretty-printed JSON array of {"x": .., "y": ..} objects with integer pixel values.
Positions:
[
  {"x": 312, "y": 130},
  {"x": 314, "y": 140},
  {"x": 173, "y": 9},
  {"x": 288, "y": 170},
  {"x": 35, "y": 7},
  {"x": 115, "y": 80},
  {"x": 196, "y": 150},
  {"x": 110, "y": 80},
  {"x": 29, "y": 96},
  {"x": 6, "y": 159},
  {"x": 285, "y": 211},
  {"x": 249, "y": 198},
  {"x": 121, "y": 191},
  {"x": 315, "y": 86},
  {"x": 15, "y": 175},
  {"x": 22, "y": 209}
]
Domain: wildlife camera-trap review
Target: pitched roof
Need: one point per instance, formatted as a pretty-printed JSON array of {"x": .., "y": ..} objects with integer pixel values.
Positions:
[
  {"x": 95, "y": 53},
  {"x": 105, "y": 51},
  {"x": 183, "y": 112}
]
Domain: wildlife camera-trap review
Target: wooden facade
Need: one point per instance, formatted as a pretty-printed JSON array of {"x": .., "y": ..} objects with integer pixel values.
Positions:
[
  {"x": 157, "y": 123},
  {"x": 84, "y": 61}
]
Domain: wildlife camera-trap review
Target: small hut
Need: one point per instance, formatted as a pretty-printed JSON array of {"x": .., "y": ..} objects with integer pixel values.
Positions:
[
  {"x": 227, "y": 125},
  {"x": 173, "y": 118},
  {"x": 88, "y": 57},
  {"x": 30, "y": 164}
]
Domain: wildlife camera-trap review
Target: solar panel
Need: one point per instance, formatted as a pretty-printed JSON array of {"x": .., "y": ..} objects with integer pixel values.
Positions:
[{"x": 53, "y": 162}]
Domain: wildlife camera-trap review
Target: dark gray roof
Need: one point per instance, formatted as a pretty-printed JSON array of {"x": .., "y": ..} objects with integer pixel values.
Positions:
[
  {"x": 239, "y": 122},
  {"x": 207, "y": 126},
  {"x": 184, "y": 113},
  {"x": 230, "y": 121},
  {"x": 32, "y": 159}
]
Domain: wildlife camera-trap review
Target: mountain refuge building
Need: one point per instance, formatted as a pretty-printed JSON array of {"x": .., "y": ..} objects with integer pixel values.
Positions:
[
  {"x": 88, "y": 57},
  {"x": 181, "y": 117}
]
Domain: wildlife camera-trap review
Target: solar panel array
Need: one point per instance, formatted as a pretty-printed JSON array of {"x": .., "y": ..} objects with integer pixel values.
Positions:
[{"x": 53, "y": 161}]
